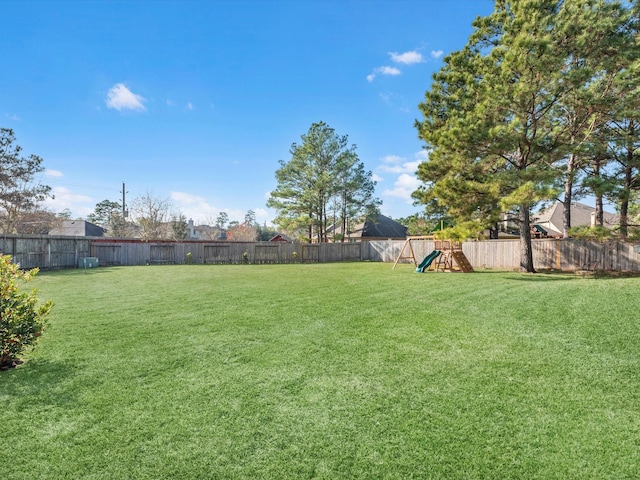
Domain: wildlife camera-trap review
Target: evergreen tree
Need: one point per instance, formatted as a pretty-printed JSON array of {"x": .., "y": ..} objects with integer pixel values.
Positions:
[
  {"x": 20, "y": 197},
  {"x": 323, "y": 169},
  {"x": 513, "y": 109}
]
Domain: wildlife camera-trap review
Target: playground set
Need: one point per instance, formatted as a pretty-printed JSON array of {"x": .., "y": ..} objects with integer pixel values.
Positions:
[{"x": 447, "y": 256}]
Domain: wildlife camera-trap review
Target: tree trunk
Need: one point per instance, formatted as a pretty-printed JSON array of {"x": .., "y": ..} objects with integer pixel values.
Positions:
[
  {"x": 344, "y": 218},
  {"x": 624, "y": 200},
  {"x": 526, "y": 250},
  {"x": 628, "y": 183},
  {"x": 599, "y": 196},
  {"x": 568, "y": 195},
  {"x": 493, "y": 232},
  {"x": 599, "y": 210}
]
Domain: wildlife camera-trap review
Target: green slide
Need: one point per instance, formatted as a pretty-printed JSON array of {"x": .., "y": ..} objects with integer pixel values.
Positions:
[{"x": 427, "y": 261}]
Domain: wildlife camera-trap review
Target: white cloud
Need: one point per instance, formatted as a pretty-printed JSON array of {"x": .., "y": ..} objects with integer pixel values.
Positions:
[
  {"x": 119, "y": 97},
  {"x": 377, "y": 178},
  {"x": 12, "y": 117},
  {"x": 186, "y": 198},
  {"x": 395, "y": 164},
  {"x": 53, "y": 173},
  {"x": 193, "y": 206},
  {"x": 407, "y": 182},
  {"x": 388, "y": 71},
  {"x": 189, "y": 106},
  {"x": 407, "y": 58},
  {"x": 170, "y": 103},
  {"x": 200, "y": 210},
  {"x": 263, "y": 215},
  {"x": 436, "y": 53},
  {"x": 391, "y": 159},
  {"x": 80, "y": 205},
  {"x": 384, "y": 70},
  {"x": 404, "y": 186}
]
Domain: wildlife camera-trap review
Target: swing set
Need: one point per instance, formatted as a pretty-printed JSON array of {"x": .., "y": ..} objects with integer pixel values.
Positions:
[{"x": 447, "y": 256}]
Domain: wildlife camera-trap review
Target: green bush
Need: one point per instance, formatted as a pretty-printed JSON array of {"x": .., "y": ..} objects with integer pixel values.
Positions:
[
  {"x": 598, "y": 234},
  {"x": 22, "y": 319}
]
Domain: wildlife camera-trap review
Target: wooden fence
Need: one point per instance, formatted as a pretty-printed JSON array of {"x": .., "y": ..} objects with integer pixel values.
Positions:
[
  {"x": 548, "y": 254},
  {"x": 45, "y": 252},
  {"x": 51, "y": 252}
]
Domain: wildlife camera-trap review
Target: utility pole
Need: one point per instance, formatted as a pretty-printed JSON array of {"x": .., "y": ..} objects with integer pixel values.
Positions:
[{"x": 124, "y": 208}]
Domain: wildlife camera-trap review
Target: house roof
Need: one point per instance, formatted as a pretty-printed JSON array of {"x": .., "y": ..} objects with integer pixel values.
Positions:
[
  {"x": 78, "y": 228},
  {"x": 379, "y": 227},
  {"x": 552, "y": 217},
  {"x": 280, "y": 237}
]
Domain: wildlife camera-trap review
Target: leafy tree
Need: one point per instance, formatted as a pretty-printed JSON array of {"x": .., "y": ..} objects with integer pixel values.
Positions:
[
  {"x": 355, "y": 191},
  {"x": 108, "y": 214},
  {"x": 19, "y": 193},
  {"x": 266, "y": 233},
  {"x": 425, "y": 224},
  {"x": 322, "y": 169},
  {"x": 179, "y": 227},
  {"x": 37, "y": 222},
  {"x": 222, "y": 220},
  {"x": 586, "y": 33},
  {"x": 65, "y": 214},
  {"x": 250, "y": 218},
  {"x": 623, "y": 131},
  {"x": 491, "y": 118},
  {"x": 151, "y": 214},
  {"x": 242, "y": 232},
  {"x": 104, "y": 212}
]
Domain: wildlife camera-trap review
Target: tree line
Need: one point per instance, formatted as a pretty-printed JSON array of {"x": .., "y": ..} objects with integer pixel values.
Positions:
[
  {"x": 321, "y": 192},
  {"x": 149, "y": 216},
  {"x": 153, "y": 218},
  {"x": 541, "y": 104}
]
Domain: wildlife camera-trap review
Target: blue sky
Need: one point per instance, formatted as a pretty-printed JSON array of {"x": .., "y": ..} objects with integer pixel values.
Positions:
[{"x": 197, "y": 101}]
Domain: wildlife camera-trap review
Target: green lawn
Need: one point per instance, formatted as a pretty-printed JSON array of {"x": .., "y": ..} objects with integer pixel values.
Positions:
[{"x": 335, "y": 371}]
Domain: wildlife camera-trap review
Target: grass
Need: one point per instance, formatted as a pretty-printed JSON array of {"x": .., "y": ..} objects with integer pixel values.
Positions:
[{"x": 333, "y": 371}]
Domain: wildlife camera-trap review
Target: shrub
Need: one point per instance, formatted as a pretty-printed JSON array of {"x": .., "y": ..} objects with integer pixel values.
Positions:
[
  {"x": 598, "y": 234},
  {"x": 22, "y": 320}
]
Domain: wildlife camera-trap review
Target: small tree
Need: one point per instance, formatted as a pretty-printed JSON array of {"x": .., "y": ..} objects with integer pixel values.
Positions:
[
  {"x": 222, "y": 220},
  {"x": 242, "y": 232},
  {"x": 179, "y": 227},
  {"x": 22, "y": 320},
  {"x": 151, "y": 214}
]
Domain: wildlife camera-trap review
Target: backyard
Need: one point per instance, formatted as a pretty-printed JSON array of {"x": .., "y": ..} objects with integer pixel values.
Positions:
[{"x": 342, "y": 370}]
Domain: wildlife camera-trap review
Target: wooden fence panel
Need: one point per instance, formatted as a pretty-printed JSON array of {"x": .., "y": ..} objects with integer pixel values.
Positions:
[
  {"x": 108, "y": 254},
  {"x": 384, "y": 250},
  {"x": 162, "y": 254},
  {"x": 351, "y": 252},
  {"x": 216, "y": 254},
  {"x": 266, "y": 254},
  {"x": 629, "y": 257},
  {"x": 310, "y": 253}
]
